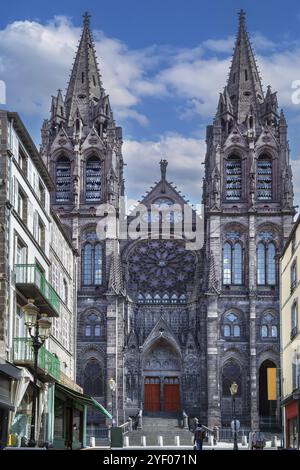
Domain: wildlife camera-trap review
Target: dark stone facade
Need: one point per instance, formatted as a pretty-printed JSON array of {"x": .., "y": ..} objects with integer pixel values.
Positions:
[{"x": 163, "y": 316}]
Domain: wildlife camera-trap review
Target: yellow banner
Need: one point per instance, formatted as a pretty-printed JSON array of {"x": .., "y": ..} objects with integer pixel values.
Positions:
[{"x": 271, "y": 375}]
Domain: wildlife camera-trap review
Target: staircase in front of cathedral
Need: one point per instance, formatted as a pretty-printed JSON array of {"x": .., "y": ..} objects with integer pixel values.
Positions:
[{"x": 166, "y": 427}]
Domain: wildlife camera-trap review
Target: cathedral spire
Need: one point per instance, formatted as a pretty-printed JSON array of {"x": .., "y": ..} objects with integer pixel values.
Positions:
[
  {"x": 85, "y": 81},
  {"x": 244, "y": 85}
]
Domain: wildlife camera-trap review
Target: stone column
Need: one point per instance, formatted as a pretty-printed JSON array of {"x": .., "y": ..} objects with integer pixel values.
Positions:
[
  {"x": 213, "y": 389},
  {"x": 252, "y": 325}
]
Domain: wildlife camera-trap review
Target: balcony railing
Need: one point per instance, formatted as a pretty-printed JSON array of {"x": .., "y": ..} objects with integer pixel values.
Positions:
[
  {"x": 48, "y": 364},
  {"x": 31, "y": 282}
]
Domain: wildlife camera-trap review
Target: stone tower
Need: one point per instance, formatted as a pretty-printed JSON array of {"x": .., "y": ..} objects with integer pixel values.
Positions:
[
  {"x": 248, "y": 201},
  {"x": 82, "y": 147}
]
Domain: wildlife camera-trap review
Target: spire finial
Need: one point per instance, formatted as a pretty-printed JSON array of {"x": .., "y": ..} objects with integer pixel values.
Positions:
[
  {"x": 86, "y": 19},
  {"x": 242, "y": 17},
  {"x": 163, "y": 169}
]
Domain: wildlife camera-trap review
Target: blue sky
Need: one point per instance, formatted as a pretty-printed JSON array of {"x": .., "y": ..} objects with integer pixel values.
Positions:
[{"x": 163, "y": 64}]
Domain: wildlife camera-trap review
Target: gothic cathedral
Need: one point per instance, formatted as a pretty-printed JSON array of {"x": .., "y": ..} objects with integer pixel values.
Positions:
[{"x": 175, "y": 327}]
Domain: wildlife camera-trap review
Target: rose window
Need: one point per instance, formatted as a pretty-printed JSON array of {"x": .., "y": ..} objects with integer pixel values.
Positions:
[{"x": 161, "y": 271}]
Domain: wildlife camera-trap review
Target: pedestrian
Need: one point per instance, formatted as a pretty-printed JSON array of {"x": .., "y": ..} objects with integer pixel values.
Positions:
[
  {"x": 258, "y": 441},
  {"x": 199, "y": 436}
]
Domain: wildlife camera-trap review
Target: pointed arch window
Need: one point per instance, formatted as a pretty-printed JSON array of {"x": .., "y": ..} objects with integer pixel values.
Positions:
[
  {"x": 264, "y": 182},
  {"x": 233, "y": 171},
  {"x": 269, "y": 328},
  {"x": 231, "y": 326},
  {"x": 93, "y": 379},
  {"x": 93, "y": 180},
  {"x": 63, "y": 180},
  {"x": 232, "y": 263},
  {"x": 93, "y": 326},
  {"x": 266, "y": 264},
  {"x": 92, "y": 260}
]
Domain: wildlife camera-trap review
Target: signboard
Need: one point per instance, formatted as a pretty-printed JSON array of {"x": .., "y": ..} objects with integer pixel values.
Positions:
[{"x": 271, "y": 378}]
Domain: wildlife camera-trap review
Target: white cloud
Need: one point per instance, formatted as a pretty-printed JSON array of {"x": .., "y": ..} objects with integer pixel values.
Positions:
[
  {"x": 184, "y": 155},
  {"x": 36, "y": 59}
]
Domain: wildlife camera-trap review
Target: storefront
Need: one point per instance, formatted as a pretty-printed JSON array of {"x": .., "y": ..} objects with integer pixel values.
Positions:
[
  {"x": 8, "y": 373},
  {"x": 67, "y": 421},
  {"x": 292, "y": 424}
]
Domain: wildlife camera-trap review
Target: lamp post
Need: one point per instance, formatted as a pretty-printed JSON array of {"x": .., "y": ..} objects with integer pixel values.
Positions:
[
  {"x": 233, "y": 391},
  {"x": 38, "y": 327},
  {"x": 112, "y": 386}
]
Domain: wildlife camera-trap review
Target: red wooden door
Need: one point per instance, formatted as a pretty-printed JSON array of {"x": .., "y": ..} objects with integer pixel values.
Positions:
[
  {"x": 152, "y": 394},
  {"x": 171, "y": 395}
]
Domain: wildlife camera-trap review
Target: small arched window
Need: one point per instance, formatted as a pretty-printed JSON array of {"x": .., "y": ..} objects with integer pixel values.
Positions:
[
  {"x": 63, "y": 180},
  {"x": 93, "y": 326},
  {"x": 266, "y": 263},
  {"x": 231, "y": 325},
  {"x": 269, "y": 328},
  {"x": 264, "y": 178},
  {"x": 92, "y": 258},
  {"x": 233, "y": 171},
  {"x": 232, "y": 263},
  {"x": 93, "y": 180}
]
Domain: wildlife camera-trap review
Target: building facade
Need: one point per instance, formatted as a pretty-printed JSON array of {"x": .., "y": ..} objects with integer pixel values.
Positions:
[
  {"x": 38, "y": 262},
  {"x": 290, "y": 338},
  {"x": 174, "y": 327}
]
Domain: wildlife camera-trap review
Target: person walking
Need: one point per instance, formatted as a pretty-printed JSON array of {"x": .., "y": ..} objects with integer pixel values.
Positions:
[{"x": 199, "y": 436}]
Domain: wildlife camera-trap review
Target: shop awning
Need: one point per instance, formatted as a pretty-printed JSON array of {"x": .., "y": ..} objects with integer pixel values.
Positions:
[{"x": 83, "y": 399}]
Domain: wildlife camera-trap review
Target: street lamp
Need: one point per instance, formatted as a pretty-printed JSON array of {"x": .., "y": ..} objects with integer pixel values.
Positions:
[
  {"x": 112, "y": 386},
  {"x": 38, "y": 327},
  {"x": 233, "y": 391}
]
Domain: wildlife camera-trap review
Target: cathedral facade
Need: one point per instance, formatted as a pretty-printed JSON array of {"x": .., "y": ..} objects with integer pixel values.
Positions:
[{"x": 175, "y": 327}]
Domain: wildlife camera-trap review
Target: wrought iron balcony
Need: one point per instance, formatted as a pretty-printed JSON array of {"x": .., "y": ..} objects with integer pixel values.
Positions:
[
  {"x": 48, "y": 364},
  {"x": 32, "y": 284}
]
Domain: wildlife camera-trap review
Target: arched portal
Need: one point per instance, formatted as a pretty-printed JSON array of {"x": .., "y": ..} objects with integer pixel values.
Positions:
[
  {"x": 267, "y": 394},
  {"x": 161, "y": 376}
]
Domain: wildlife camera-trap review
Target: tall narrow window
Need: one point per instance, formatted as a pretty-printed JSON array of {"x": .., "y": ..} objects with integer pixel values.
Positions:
[
  {"x": 294, "y": 319},
  {"x": 233, "y": 178},
  {"x": 237, "y": 264},
  {"x": 271, "y": 265},
  {"x": 63, "y": 180},
  {"x": 294, "y": 275},
  {"x": 93, "y": 179},
  {"x": 227, "y": 264},
  {"x": 232, "y": 264},
  {"x": 264, "y": 178},
  {"x": 87, "y": 265},
  {"x": 98, "y": 265},
  {"x": 266, "y": 264},
  {"x": 92, "y": 265}
]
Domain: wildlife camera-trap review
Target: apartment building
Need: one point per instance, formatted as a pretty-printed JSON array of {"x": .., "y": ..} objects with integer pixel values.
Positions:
[{"x": 290, "y": 337}]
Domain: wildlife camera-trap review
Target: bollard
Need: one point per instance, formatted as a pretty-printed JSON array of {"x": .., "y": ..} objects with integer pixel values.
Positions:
[
  {"x": 92, "y": 442},
  {"x": 210, "y": 440},
  {"x": 177, "y": 441},
  {"x": 244, "y": 440},
  {"x": 274, "y": 441},
  {"x": 143, "y": 441},
  {"x": 160, "y": 441},
  {"x": 126, "y": 441},
  {"x": 250, "y": 440}
]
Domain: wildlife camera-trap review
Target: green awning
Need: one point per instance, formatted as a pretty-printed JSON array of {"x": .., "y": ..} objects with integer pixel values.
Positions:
[{"x": 83, "y": 399}]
